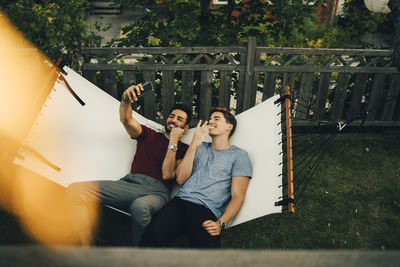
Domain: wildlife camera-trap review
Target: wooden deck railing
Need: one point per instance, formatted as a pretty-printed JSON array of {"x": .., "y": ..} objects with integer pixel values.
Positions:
[{"x": 327, "y": 84}]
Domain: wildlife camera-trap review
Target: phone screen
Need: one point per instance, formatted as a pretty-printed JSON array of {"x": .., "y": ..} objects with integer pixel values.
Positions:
[{"x": 147, "y": 88}]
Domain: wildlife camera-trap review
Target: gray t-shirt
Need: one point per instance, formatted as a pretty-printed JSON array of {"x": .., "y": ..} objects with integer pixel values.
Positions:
[{"x": 211, "y": 178}]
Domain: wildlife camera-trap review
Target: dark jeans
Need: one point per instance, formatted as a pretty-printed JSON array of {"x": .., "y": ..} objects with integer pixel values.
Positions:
[{"x": 180, "y": 217}]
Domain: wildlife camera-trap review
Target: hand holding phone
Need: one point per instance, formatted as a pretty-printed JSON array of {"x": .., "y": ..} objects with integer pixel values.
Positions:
[
  {"x": 147, "y": 88},
  {"x": 134, "y": 92}
]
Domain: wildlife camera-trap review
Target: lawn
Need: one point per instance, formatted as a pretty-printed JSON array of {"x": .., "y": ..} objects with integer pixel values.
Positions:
[{"x": 351, "y": 202}]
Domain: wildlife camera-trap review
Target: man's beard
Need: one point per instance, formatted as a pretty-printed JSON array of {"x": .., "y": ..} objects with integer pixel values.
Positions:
[{"x": 168, "y": 130}]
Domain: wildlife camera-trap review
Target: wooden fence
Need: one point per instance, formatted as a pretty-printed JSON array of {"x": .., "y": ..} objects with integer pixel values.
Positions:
[{"x": 327, "y": 84}]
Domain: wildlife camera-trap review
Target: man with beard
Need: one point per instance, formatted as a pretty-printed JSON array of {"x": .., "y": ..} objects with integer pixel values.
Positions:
[
  {"x": 214, "y": 178},
  {"x": 147, "y": 187}
]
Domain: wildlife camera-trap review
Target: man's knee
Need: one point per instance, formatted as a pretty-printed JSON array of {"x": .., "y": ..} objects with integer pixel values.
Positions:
[
  {"x": 77, "y": 192},
  {"x": 141, "y": 212},
  {"x": 143, "y": 208}
]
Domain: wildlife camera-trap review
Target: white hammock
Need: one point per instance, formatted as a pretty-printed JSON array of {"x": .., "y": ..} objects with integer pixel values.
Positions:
[{"x": 89, "y": 143}]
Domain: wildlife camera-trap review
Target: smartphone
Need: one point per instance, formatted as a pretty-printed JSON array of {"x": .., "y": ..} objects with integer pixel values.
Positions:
[{"x": 147, "y": 88}]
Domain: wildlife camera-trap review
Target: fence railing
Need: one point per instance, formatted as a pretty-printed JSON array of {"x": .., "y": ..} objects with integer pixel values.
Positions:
[{"x": 326, "y": 84}]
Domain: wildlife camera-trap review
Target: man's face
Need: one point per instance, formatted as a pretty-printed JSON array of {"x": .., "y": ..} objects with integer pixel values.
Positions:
[
  {"x": 177, "y": 118},
  {"x": 217, "y": 125}
]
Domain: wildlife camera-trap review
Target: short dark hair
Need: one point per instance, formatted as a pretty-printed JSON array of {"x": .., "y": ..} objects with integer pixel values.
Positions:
[
  {"x": 228, "y": 117},
  {"x": 185, "y": 109}
]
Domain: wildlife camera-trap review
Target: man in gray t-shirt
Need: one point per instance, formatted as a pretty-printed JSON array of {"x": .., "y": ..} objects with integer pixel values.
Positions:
[{"x": 214, "y": 178}]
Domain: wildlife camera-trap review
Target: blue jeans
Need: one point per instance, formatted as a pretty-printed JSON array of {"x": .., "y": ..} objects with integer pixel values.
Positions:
[{"x": 138, "y": 194}]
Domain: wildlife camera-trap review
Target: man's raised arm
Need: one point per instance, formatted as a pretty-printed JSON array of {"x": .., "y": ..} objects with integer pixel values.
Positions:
[
  {"x": 131, "y": 125},
  {"x": 184, "y": 169}
]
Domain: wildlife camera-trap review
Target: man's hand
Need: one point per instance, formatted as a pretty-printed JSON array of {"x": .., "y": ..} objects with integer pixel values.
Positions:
[
  {"x": 132, "y": 126},
  {"x": 131, "y": 93},
  {"x": 184, "y": 169},
  {"x": 199, "y": 134},
  {"x": 175, "y": 135},
  {"x": 213, "y": 228}
]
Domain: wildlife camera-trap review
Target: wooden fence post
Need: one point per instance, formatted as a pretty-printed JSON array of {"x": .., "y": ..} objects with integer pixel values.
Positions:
[
  {"x": 391, "y": 98},
  {"x": 340, "y": 96},
  {"x": 110, "y": 82},
  {"x": 91, "y": 76},
  {"x": 322, "y": 95},
  {"x": 249, "y": 76},
  {"x": 269, "y": 85},
  {"x": 376, "y": 96},
  {"x": 167, "y": 92},
  {"x": 358, "y": 92},
  {"x": 129, "y": 78},
  {"x": 187, "y": 88},
  {"x": 240, "y": 90},
  {"x": 304, "y": 95},
  {"x": 205, "y": 94},
  {"x": 225, "y": 89},
  {"x": 149, "y": 99}
]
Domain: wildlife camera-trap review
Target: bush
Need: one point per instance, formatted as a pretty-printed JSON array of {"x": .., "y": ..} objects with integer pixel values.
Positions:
[{"x": 53, "y": 26}]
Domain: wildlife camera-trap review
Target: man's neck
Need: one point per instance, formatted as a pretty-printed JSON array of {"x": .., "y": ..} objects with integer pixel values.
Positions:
[{"x": 220, "y": 142}]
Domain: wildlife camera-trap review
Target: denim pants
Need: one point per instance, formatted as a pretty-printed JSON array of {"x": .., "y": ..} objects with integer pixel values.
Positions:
[
  {"x": 138, "y": 194},
  {"x": 180, "y": 217}
]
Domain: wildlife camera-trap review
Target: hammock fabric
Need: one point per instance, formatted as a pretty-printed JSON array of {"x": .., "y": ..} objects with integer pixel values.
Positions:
[{"x": 72, "y": 142}]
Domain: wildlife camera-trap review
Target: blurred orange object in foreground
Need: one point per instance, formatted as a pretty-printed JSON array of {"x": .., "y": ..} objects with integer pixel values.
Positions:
[{"x": 26, "y": 79}]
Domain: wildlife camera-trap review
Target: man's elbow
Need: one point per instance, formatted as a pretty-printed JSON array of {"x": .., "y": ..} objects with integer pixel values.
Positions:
[
  {"x": 168, "y": 176},
  {"x": 123, "y": 120},
  {"x": 180, "y": 180}
]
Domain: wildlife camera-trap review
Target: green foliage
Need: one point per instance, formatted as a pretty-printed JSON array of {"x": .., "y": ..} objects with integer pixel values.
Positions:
[
  {"x": 291, "y": 23},
  {"x": 288, "y": 21},
  {"x": 56, "y": 26},
  {"x": 53, "y": 26},
  {"x": 360, "y": 21},
  {"x": 171, "y": 24},
  {"x": 194, "y": 23},
  {"x": 360, "y": 18}
]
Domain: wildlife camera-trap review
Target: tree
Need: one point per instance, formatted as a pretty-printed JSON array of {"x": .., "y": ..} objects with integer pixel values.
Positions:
[
  {"x": 55, "y": 27},
  {"x": 194, "y": 23},
  {"x": 359, "y": 21}
]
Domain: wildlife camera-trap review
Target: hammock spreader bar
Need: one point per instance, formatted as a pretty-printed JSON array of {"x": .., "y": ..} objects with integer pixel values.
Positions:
[{"x": 288, "y": 118}]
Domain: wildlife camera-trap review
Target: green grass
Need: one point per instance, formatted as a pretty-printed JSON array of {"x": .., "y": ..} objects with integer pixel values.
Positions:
[{"x": 351, "y": 202}]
